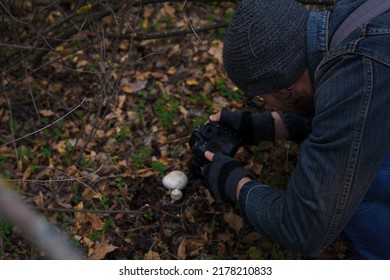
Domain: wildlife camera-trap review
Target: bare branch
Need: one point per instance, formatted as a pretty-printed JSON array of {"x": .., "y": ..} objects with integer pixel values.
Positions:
[
  {"x": 43, "y": 128},
  {"x": 45, "y": 236}
]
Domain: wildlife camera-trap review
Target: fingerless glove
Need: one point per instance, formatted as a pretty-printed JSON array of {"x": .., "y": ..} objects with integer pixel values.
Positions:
[
  {"x": 252, "y": 127},
  {"x": 222, "y": 176}
]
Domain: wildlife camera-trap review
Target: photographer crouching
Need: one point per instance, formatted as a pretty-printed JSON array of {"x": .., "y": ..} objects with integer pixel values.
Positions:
[{"x": 333, "y": 99}]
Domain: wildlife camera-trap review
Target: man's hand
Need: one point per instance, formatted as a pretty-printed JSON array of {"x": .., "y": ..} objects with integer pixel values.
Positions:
[
  {"x": 253, "y": 128},
  {"x": 224, "y": 175}
]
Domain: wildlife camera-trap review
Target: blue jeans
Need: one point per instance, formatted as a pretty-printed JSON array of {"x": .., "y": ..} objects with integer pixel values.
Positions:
[{"x": 368, "y": 232}]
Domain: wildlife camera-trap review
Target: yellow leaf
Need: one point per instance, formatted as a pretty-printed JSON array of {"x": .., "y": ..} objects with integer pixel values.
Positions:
[
  {"x": 127, "y": 89},
  {"x": 61, "y": 150},
  {"x": 60, "y": 48},
  {"x": 145, "y": 23},
  {"x": 192, "y": 82},
  {"x": 84, "y": 9},
  {"x": 171, "y": 71}
]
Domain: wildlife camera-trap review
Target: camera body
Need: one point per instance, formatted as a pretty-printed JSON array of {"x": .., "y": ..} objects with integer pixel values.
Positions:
[{"x": 213, "y": 137}]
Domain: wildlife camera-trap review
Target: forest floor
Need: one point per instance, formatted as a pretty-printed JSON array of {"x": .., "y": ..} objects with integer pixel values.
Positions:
[{"x": 117, "y": 116}]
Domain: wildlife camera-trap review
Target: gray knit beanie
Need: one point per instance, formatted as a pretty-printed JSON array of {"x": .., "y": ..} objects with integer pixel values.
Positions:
[{"x": 265, "y": 45}]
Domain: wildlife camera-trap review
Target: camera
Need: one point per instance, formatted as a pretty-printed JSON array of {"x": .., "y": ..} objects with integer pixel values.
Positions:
[{"x": 214, "y": 137}]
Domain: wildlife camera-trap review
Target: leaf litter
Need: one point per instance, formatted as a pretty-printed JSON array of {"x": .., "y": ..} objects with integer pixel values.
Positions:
[{"x": 97, "y": 173}]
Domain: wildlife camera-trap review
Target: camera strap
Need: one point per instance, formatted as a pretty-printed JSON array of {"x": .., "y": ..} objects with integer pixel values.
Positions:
[{"x": 363, "y": 14}]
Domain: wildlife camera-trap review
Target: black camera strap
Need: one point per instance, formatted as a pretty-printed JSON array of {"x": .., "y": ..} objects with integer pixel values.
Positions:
[{"x": 363, "y": 14}]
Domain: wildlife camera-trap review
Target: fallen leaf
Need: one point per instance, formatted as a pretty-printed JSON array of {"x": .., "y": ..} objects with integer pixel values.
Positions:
[
  {"x": 184, "y": 111},
  {"x": 99, "y": 251},
  {"x": 181, "y": 250},
  {"x": 152, "y": 255},
  {"x": 196, "y": 244},
  {"x": 82, "y": 63},
  {"x": 127, "y": 89},
  {"x": 39, "y": 201},
  {"x": 216, "y": 51},
  {"x": 46, "y": 113},
  {"x": 234, "y": 221},
  {"x": 192, "y": 82},
  {"x": 84, "y": 9}
]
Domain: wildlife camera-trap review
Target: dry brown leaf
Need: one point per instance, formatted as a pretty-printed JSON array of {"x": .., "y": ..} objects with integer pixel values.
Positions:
[
  {"x": 99, "y": 251},
  {"x": 234, "y": 221},
  {"x": 196, "y": 244},
  {"x": 216, "y": 51},
  {"x": 88, "y": 242},
  {"x": 89, "y": 193},
  {"x": 82, "y": 63},
  {"x": 95, "y": 221},
  {"x": 39, "y": 201},
  {"x": 184, "y": 111},
  {"x": 152, "y": 255},
  {"x": 100, "y": 133},
  {"x": 169, "y": 10},
  {"x": 181, "y": 250},
  {"x": 46, "y": 113},
  {"x": 2, "y": 100},
  {"x": 162, "y": 139},
  {"x": 121, "y": 101}
]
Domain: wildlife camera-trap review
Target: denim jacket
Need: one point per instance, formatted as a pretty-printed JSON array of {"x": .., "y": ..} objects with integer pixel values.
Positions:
[{"x": 350, "y": 137}]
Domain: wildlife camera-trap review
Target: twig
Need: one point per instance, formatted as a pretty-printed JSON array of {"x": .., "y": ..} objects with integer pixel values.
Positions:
[
  {"x": 172, "y": 33},
  {"x": 106, "y": 211},
  {"x": 56, "y": 180},
  {"x": 43, "y": 128},
  {"x": 11, "y": 126},
  {"x": 97, "y": 211}
]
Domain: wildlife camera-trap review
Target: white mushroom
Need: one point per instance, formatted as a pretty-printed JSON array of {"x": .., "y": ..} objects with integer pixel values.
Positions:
[
  {"x": 175, "y": 180},
  {"x": 176, "y": 195}
]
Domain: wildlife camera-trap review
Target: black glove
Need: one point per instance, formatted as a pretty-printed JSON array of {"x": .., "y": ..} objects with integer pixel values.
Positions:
[
  {"x": 253, "y": 128},
  {"x": 222, "y": 176}
]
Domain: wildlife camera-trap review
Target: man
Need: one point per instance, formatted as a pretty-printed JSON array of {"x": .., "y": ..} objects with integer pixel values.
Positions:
[{"x": 278, "y": 50}]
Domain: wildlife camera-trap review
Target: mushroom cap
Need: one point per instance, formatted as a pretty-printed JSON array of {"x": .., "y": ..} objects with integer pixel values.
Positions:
[{"x": 175, "y": 180}]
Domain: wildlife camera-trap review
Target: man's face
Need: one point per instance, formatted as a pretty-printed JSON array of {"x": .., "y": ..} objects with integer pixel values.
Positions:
[{"x": 299, "y": 98}]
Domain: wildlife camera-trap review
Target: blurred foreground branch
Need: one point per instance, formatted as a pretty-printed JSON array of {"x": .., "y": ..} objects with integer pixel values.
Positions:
[{"x": 53, "y": 243}]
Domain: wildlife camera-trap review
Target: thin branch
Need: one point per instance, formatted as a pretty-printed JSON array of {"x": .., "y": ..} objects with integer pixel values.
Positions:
[
  {"x": 14, "y": 46},
  {"x": 168, "y": 34},
  {"x": 106, "y": 211},
  {"x": 43, "y": 128},
  {"x": 70, "y": 179}
]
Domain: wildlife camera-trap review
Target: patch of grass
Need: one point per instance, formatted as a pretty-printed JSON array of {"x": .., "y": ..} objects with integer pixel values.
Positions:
[
  {"x": 229, "y": 93},
  {"x": 122, "y": 134},
  {"x": 160, "y": 167},
  {"x": 143, "y": 155},
  {"x": 214, "y": 225},
  {"x": 58, "y": 130},
  {"x": 255, "y": 253},
  {"x": 166, "y": 109},
  {"x": 5, "y": 232}
]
